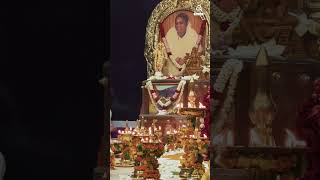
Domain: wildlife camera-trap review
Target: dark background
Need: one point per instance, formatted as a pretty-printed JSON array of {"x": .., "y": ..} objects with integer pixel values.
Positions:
[
  {"x": 51, "y": 104},
  {"x": 51, "y": 58},
  {"x": 129, "y": 19}
]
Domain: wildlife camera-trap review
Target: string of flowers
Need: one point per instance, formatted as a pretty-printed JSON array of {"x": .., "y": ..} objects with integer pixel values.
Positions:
[
  {"x": 157, "y": 100},
  {"x": 229, "y": 73}
]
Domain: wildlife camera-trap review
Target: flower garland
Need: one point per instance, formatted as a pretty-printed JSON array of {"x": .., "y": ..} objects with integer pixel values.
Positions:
[
  {"x": 157, "y": 100},
  {"x": 191, "y": 78},
  {"x": 205, "y": 69},
  {"x": 221, "y": 16},
  {"x": 229, "y": 72}
]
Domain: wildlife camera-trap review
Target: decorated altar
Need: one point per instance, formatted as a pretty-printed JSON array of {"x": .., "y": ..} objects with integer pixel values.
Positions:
[
  {"x": 169, "y": 167},
  {"x": 170, "y": 139}
]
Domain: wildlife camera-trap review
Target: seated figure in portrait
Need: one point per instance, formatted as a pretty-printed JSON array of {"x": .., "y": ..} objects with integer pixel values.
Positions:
[
  {"x": 177, "y": 38},
  {"x": 180, "y": 40}
]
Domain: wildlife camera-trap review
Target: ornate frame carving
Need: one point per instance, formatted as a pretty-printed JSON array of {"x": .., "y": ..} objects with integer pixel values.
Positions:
[{"x": 159, "y": 14}]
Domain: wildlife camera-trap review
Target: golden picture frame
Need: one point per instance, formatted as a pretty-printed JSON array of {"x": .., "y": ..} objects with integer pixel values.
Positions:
[{"x": 162, "y": 11}]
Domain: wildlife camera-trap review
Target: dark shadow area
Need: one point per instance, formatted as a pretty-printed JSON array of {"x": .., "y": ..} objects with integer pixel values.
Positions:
[
  {"x": 128, "y": 20},
  {"x": 51, "y": 101}
]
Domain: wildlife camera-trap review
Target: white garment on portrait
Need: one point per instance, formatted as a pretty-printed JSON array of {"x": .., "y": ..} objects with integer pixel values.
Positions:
[{"x": 179, "y": 47}]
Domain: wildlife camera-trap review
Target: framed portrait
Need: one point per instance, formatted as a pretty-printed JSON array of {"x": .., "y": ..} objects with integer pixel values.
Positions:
[{"x": 176, "y": 29}]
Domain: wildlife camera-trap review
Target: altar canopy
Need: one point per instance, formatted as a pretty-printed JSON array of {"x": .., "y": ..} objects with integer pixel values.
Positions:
[{"x": 170, "y": 139}]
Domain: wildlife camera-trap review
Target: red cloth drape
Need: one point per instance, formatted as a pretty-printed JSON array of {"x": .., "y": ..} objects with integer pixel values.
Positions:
[
  {"x": 203, "y": 27},
  {"x": 161, "y": 29}
]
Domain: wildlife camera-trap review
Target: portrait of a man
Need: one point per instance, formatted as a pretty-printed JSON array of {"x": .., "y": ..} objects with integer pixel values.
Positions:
[{"x": 184, "y": 34}]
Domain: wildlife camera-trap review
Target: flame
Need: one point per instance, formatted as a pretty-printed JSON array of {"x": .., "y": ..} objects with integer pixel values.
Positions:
[{"x": 292, "y": 141}]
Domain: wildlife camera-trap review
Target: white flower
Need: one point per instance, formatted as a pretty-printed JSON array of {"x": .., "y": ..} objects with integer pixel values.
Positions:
[
  {"x": 202, "y": 126},
  {"x": 229, "y": 72},
  {"x": 191, "y": 78},
  {"x": 158, "y": 74},
  {"x": 205, "y": 69}
]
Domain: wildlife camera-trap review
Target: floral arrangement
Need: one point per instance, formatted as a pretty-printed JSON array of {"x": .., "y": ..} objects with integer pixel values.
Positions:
[
  {"x": 116, "y": 148},
  {"x": 171, "y": 143},
  {"x": 126, "y": 153},
  {"x": 194, "y": 149},
  {"x": 229, "y": 73},
  {"x": 145, "y": 160},
  {"x": 162, "y": 102},
  {"x": 112, "y": 160}
]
